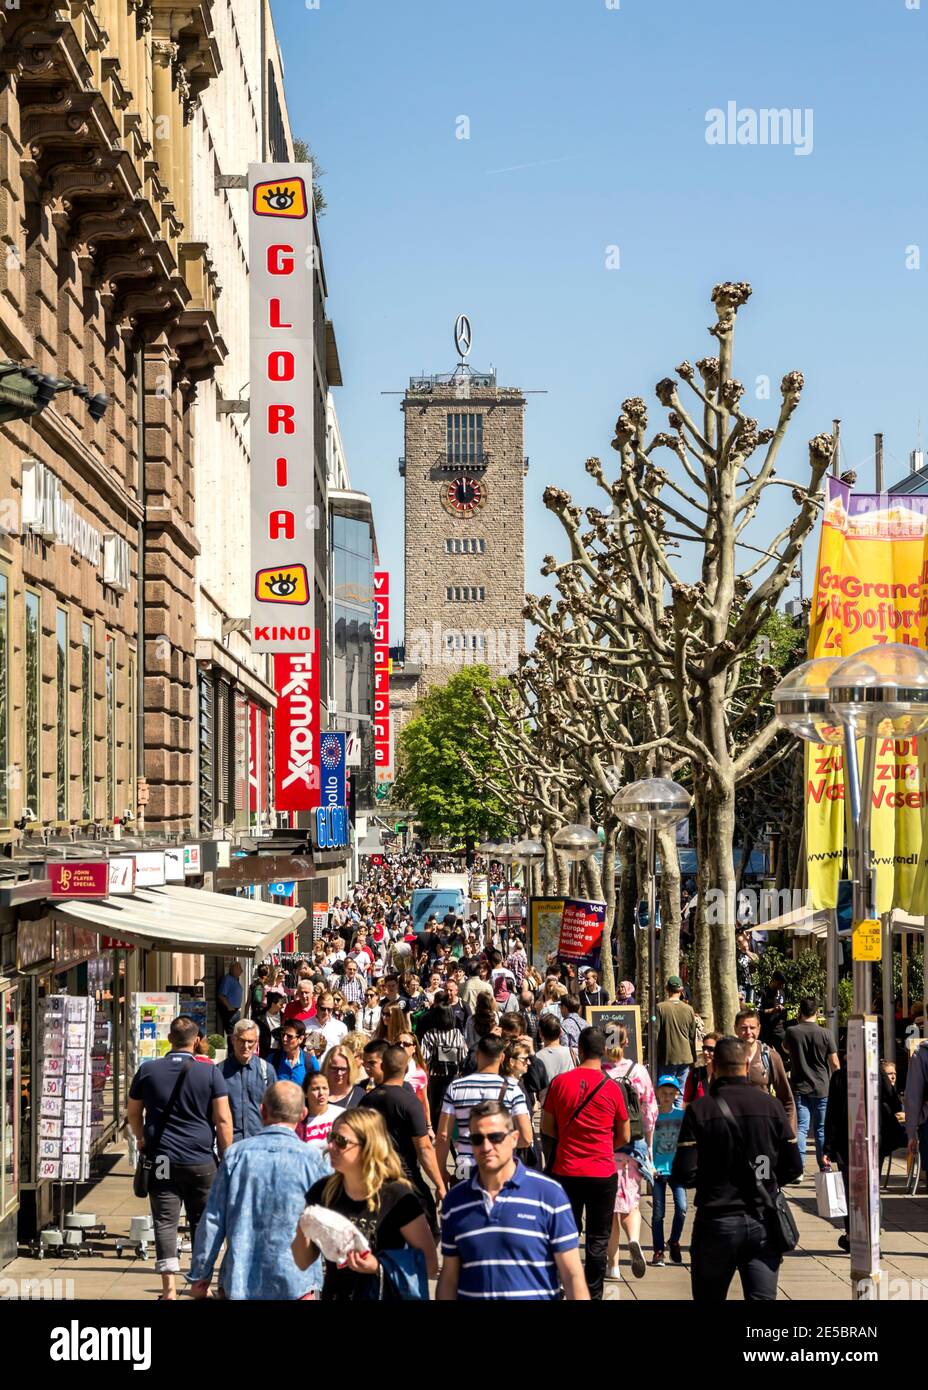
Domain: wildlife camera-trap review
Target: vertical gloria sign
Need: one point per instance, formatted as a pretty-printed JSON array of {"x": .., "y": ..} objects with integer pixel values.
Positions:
[
  {"x": 281, "y": 264},
  {"x": 383, "y": 744}
]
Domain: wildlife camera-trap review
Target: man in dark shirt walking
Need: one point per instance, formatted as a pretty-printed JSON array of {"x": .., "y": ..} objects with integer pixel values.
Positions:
[
  {"x": 404, "y": 1117},
  {"x": 189, "y": 1105},
  {"x": 813, "y": 1056},
  {"x": 727, "y": 1160}
]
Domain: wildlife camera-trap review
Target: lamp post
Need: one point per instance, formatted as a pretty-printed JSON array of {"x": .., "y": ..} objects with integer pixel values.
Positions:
[
  {"x": 801, "y": 704},
  {"x": 576, "y": 843},
  {"x": 653, "y": 804},
  {"x": 879, "y": 692},
  {"x": 489, "y": 848},
  {"x": 505, "y": 853},
  {"x": 529, "y": 852}
]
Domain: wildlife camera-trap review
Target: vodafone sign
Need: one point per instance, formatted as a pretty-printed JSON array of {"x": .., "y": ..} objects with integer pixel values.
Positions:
[
  {"x": 296, "y": 744},
  {"x": 383, "y": 752},
  {"x": 283, "y": 517}
]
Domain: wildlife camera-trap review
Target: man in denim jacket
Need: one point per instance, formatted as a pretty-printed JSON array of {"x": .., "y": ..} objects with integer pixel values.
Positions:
[{"x": 254, "y": 1204}]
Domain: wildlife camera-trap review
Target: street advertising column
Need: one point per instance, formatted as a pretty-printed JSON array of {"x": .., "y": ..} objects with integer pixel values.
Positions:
[
  {"x": 383, "y": 742},
  {"x": 296, "y": 752},
  {"x": 283, "y": 515}
]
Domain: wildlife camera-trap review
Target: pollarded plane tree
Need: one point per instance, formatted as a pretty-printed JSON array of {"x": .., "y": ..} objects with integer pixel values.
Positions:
[{"x": 694, "y": 635}]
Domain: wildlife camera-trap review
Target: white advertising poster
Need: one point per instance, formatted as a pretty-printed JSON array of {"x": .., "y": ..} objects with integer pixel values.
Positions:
[
  {"x": 174, "y": 865},
  {"x": 282, "y": 391},
  {"x": 122, "y": 875},
  {"x": 149, "y": 869}
]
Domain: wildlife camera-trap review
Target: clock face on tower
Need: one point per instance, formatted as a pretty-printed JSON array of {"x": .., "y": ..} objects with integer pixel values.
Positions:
[{"x": 463, "y": 496}]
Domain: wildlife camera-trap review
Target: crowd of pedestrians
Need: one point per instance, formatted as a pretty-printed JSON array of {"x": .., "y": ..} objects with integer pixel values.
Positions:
[{"x": 407, "y": 1102}]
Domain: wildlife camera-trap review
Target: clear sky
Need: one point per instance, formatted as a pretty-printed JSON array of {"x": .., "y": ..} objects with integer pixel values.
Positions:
[{"x": 587, "y": 131}]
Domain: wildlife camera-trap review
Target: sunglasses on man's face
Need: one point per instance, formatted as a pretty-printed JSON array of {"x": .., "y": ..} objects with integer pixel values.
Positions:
[
  {"x": 496, "y": 1138},
  {"x": 291, "y": 1037},
  {"x": 708, "y": 1051}
]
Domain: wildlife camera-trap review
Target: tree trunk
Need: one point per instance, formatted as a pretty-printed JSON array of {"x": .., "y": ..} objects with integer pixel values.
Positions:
[
  {"x": 608, "y": 884},
  {"x": 669, "y": 959},
  {"x": 701, "y": 979},
  {"x": 723, "y": 921},
  {"x": 628, "y": 956}
]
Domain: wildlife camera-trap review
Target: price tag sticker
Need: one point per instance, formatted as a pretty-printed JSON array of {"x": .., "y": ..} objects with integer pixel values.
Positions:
[{"x": 867, "y": 941}]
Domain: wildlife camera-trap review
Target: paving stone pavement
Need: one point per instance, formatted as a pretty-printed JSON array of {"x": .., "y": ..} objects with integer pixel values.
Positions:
[{"x": 817, "y": 1270}]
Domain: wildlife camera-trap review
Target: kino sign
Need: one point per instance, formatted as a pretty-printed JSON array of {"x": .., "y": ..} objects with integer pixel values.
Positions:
[{"x": 281, "y": 262}]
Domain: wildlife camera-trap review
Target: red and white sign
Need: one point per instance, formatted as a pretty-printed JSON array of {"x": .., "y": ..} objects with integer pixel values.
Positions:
[
  {"x": 283, "y": 512},
  {"x": 383, "y": 755},
  {"x": 122, "y": 875},
  {"x": 296, "y": 742},
  {"x": 74, "y": 879}
]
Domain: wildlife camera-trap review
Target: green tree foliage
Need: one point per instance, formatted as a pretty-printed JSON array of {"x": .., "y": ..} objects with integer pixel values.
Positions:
[
  {"x": 302, "y": 154},
  {"x": 432, "y": 780}
]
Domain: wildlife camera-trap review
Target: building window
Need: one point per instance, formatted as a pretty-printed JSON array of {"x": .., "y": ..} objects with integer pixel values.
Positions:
[
  {"x": 132, "y": 771},
  {"x": 4, "y": 694},
  {"x": 33, "y": 696},
  {"x": 62, "y": 761},
  {"x": 464, "y": 442},
  {"x": 110, "y": 691},
  {"x": 86, "y": 721},
  {"x": 465, "y": 593},
  {"x": 457, "y": 546}
]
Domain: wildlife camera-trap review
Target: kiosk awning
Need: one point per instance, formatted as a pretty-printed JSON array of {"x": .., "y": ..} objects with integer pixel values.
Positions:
[{"x": 187, "y": 919}]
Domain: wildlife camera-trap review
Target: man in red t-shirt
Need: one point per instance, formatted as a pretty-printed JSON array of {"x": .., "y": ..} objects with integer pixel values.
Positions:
[
  {"x": 585, "y": 1112},
  {"x": 303, "y": 1003}
]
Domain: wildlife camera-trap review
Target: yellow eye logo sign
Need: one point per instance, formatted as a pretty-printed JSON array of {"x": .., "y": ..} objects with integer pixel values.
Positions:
[
  {"x": 286, "y": 585},
  {"x": 282, "y": 198}
]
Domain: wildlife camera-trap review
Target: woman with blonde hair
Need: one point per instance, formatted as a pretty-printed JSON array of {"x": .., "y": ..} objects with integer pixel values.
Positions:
[
  {"x": 341, "y": 1069},
  {"x": 368, "y": 1187}
]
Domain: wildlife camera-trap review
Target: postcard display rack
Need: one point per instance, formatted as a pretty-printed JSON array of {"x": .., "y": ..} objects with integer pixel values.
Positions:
[{"x": 66, "y": 1028}]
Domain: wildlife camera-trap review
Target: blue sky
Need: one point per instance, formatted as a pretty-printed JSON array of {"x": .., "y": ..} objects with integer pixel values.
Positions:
[{"x": 607, "y": 109}]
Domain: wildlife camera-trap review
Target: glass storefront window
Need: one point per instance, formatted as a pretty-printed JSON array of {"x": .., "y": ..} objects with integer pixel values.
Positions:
[
  {"x": 64, "y": 723},
  {"x": 10, "y": 1052},
  {"x": 31, "y": 712},
  {"x": 4, "y": 694},
  {"x": 86, "y": 722}
]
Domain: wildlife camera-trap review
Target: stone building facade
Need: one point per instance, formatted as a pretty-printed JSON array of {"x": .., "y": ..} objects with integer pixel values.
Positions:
[
  {"x": 124, "y": 272},
  {"x": 464, "y": 469}
]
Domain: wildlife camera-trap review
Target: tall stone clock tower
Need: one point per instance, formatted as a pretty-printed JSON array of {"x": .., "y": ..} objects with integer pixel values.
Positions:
[{"x": 464, "y": 471}]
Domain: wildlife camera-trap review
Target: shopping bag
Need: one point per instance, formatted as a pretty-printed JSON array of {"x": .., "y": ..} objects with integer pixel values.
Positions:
[{"x": 829, "y": 1195}]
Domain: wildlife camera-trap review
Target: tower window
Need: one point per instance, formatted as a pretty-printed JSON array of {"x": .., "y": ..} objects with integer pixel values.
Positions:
[
  {"x": 464, "y": 438},
  {"x": 463, "y": 546},
  {"x": 465, "y": 593}
]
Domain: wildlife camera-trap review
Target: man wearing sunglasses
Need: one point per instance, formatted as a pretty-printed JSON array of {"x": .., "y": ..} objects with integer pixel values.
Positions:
[
  {"x": 508, "y": 1232},
  {"x": 327, "y": 1023}
]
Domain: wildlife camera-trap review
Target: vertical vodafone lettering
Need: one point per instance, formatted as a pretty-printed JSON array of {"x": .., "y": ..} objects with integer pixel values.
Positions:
[
  {"x": 281, "y": 260},
  {"x": 383, "y": 748}
]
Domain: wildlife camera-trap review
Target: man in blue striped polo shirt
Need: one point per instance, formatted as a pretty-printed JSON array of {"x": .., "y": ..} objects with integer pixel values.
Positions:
[{"x": 507, "y": 1232}]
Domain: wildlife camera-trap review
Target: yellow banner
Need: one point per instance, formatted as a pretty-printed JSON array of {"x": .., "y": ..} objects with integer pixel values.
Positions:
[{"x": 869, "y": 584}]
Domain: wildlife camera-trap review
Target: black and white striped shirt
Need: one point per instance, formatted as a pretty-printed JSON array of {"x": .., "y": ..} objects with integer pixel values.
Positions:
[{"x": 467, "y": 1091}]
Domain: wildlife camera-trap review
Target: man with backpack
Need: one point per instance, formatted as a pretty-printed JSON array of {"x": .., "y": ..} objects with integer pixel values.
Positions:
[
  {"x": 765, "y": 1065},
  {"x": 585, "y": 1122},
  {"x": 247, "y": 1077},
  {"x": 443, "y": 1048}
]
